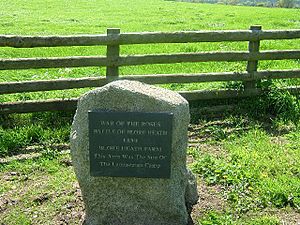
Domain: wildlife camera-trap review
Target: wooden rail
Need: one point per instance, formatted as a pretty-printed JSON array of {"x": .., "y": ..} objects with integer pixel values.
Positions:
[
  {"x": 71, "y": 104},
  {"x": 113, "y": 61},
  {"x": 63, "y": 84},
  {"x": 81, "y": 61},
  {"x": 145, "y": 38}
]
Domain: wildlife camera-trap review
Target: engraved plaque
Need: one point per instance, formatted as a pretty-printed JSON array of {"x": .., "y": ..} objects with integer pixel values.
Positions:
[{"x": 130, "y": 144}]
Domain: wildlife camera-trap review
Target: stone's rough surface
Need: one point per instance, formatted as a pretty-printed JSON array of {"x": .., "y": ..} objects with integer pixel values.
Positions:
[{"x": 134, "y": 201}]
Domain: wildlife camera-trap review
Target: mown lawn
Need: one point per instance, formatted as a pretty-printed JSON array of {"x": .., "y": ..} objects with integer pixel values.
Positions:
[
  {"x": 248, "y": 167},
  {"x": 64, "y": 17}
]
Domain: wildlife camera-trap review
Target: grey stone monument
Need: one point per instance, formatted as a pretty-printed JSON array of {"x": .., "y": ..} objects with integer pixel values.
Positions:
[{"x": 128, "y": 147}]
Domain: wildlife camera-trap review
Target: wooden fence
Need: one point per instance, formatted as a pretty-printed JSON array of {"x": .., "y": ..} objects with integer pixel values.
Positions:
[{"x": 113, "y": 60}]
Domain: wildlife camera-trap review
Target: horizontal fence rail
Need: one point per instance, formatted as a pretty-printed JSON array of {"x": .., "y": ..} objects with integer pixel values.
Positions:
[
  {"x": 71, "y": 104},
  {"x": 89, "y": 61},
  {"x": 63, "y": 84},
  {"x": 207, "y": 57},
  {"x": 113, "y": 60},
  {"x": 61, "y": 62},
  {"x": 144, "y": 38}
]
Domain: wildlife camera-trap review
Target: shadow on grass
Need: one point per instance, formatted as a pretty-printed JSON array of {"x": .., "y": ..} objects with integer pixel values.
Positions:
[
  {"x": 210, "y": 120},
  {"x": 235, "y": 116},
  {"x": 28, "y": 133}
]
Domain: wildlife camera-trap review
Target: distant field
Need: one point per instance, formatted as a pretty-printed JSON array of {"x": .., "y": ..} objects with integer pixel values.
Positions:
[
  {"x": 56, "y": 17},
  {"x": 94, "y": 16}
]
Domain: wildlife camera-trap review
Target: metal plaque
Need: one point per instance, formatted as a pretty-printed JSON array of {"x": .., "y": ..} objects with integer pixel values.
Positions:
[{"x": 130, "y": 144}]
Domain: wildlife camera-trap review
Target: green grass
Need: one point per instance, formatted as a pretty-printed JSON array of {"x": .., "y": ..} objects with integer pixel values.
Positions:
[
  {"x": 259, "y": 165},
  {"x": 37, "y": 190},
  {"x": 66, "y": 17},
  {"x": 214, "y": 218},
  {"x": 258, "y": 170},
  {"x": 19, "y": 131},
  {"x": 94, "y": 17}
]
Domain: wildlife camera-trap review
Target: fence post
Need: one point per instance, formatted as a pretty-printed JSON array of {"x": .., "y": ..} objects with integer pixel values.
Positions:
[
  {"x": 252, "y": 65},
  {"x": 112, "y": 54}
]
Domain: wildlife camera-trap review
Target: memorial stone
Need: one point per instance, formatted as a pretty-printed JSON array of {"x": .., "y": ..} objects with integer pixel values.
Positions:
[{"x": 128, "y": 147}]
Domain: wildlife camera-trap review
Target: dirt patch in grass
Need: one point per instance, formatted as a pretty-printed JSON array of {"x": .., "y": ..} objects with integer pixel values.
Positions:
[
  {"x": 286, "y": 216},
  {"x": 16, "y": 191},
  {"x": 19, "y": 185},
  {"x": 6, "y": 202},
  {"x": 35, "y": 151},
  {"x": 278, "y": 140},
  {"x": 73, "y": 211},
  {"x": 210, "y": 198},
  {"x": 212, "y": 149},
  {"x": 216, "y": 130}
]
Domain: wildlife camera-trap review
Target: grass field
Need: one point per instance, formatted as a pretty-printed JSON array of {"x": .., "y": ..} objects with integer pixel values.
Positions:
[
  {"x": 248, "y": 166},
  {"x": 94, "y": 17}
]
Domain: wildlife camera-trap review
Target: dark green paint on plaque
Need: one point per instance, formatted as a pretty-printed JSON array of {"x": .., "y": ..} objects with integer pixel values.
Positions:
[{"x": 130, "y": 144}]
